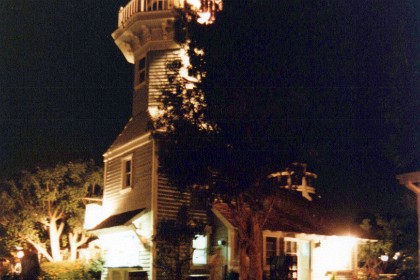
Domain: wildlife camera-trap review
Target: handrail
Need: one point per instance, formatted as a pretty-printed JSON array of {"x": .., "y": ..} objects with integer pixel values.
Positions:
[{"x": 141, "y": 6}]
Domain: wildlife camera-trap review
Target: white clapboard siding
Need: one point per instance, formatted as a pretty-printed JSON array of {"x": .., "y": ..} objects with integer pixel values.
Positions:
[
  {"x": 157, "y": 72},
  {"x": 116, "y": 201}
]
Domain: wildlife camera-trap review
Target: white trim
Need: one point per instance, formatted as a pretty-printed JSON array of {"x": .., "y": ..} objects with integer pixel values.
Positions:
[
  {"x": 154, "y": 203},
  {"x": 124, "y": 160},
  {"x": 125, "y": 190},
  {"x": 222, "y": 219},
  {"x": 231, "y": 242},
  {"x": 136, "y": 143}
]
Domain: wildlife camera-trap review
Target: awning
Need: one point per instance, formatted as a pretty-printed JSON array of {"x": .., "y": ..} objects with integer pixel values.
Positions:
[{"x": 119, "y": 220}]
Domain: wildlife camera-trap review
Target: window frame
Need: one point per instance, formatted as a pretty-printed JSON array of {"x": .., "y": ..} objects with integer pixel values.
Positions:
[
  {"x": 205, "y": 250},
  {"x": 125, "y": 173},
  {"x": 141, "y": 71}
]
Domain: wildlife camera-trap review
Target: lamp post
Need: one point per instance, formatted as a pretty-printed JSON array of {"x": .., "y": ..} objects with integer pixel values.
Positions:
[{"x": 412, "y": 182}]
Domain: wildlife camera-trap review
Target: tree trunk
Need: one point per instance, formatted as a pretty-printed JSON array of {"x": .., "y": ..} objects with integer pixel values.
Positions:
[
  {"x": 254, "y": 251},
  {"x": 250, "y": 242},
  {"x": 55, "y": 241},
  {"x": 73, "y": 246},
  {"x": 75, "y": 241},
  {"x": 243, "y": 263}
]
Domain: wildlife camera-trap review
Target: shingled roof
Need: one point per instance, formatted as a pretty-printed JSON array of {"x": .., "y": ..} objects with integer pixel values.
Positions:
[
  {"x": 136, "y": 126},
  {"x": 277, "y": 220},
  {"x": 292, "y": 213}
]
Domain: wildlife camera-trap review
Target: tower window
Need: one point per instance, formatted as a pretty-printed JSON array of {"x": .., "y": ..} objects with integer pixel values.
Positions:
[
  {"x": 142, "y": 70},
  {"x": 157, "y": 5},
  {"x": 127, "y": 172}
]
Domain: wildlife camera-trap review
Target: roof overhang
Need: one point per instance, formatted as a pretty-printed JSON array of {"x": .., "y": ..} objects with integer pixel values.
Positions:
[{"x": 118, "y": 222}]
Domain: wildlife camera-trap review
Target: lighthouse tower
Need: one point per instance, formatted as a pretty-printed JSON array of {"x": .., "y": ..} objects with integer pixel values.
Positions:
[
  {"x": 145, "y": 38},
  {"x": 136, "y": 197}
]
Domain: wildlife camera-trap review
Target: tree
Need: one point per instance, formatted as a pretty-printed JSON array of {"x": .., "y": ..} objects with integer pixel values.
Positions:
[
  {"x": 230, "y": 134},
  {"x": 174, "y": 238},
  {"x": 267, "y": 83},
  {"x": 393, "y": 250},
  {"x": 45, "y": 208}
]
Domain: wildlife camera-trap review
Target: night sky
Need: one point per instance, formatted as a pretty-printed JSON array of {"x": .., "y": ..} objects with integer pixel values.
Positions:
[
  {"x": 65, "y": 90},
  {"x": 65, "y": 94}
]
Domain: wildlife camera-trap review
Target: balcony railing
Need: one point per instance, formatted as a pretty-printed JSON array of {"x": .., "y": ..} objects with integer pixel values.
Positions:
[
  {"x": 206, "y": 9},
  {"x": 140, "y": 6}
]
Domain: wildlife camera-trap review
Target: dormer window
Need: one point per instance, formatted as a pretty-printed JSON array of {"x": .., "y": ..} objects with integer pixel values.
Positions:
[
  {"x": 141, "y": 70},
  {"x": 127, "y": 172}
]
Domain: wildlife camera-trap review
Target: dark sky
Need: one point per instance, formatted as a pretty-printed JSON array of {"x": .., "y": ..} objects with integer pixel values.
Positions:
[{"x": 65, "y": 92}]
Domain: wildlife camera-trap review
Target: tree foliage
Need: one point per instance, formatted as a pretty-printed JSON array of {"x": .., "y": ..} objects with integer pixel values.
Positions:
[
  {"x": 279, "y": 82},
  {"x": 45, "y": 209},
  {"x": 174, "y": 238},
  {"x": 394, "y": 237}
]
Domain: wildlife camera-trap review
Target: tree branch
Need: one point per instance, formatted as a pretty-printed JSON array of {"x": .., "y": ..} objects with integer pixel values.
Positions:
[
  {"x": 40, "y": 249},
  {"x": 60, "y": 229}
]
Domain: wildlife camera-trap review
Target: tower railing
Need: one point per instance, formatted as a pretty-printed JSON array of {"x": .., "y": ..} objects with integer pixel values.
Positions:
[{"x": 144, "y": 6}]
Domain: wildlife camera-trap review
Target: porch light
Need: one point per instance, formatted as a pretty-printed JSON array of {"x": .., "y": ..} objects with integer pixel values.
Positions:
[
  {"x": 20, "y": 254},
  {"x": 384, "y": 258}
]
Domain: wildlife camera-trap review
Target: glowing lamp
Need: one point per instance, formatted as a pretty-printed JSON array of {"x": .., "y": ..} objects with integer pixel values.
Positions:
[
  {"x": 384, "y": 258},
  {"x": 20, "y": 254}
]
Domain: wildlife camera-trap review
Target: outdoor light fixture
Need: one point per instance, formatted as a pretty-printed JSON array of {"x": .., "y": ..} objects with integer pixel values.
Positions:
[
  {"x": 384, "y": 258},
  {"x": 20, "y": 254}
]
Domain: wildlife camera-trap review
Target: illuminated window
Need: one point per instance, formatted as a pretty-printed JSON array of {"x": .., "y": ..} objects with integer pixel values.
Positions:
[
  {"x": 291, "y": 251},
  {"x": 142, "y": 70},
  {"x": 290, "y": 247},
  {"x": 200, "y": 250},
  {"x": 127, "y": 172}
]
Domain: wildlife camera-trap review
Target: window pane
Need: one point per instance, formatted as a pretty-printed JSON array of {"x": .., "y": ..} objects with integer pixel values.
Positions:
[
  {"x": 128, "y": 166},
  {"x": 142, "y": 76},
  {"x": 199, "y": 257},
  {"x": 200, "y": 250},
  {"x": 142, "y": 64},
  {"x": 200, "y": 242},
  {"x": 270, "y": 248}
]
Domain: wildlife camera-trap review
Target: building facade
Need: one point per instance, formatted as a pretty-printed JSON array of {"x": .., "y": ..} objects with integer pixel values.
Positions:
[{"x": 136, "y": 197}]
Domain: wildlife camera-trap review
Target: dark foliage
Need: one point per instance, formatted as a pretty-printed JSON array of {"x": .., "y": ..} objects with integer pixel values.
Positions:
[{"x": 174, "y": 239}]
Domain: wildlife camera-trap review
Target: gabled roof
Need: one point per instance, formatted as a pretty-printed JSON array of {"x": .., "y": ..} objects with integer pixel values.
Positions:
[
  {"x": 294, "y": 214},
  {"x": 136, "y": 126},
  {"x": 122, "y": 219},
  {"x": 277, "y": 220}
]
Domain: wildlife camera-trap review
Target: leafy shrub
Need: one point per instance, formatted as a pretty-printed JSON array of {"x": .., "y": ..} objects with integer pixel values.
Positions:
[{"x": 72, "y": 270}]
